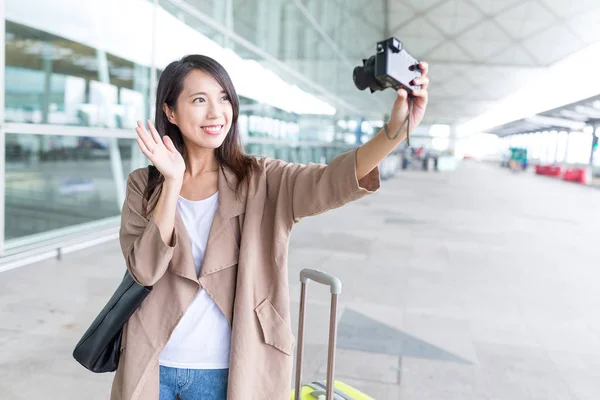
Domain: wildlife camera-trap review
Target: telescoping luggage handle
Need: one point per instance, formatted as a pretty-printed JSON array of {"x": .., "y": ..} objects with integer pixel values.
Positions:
[{"x": 335, "y": 286}]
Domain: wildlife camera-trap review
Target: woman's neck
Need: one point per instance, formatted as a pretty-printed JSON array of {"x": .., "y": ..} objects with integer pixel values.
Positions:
[{"x": 199, "y": 161}]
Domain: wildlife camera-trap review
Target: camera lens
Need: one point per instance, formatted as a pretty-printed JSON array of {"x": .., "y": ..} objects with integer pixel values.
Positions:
[
  {"x": 360, "y": 78},
  {"x": 364, "y": 76}
]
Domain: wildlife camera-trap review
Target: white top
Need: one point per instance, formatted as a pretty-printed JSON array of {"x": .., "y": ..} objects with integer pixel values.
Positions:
[{"x": 202, "y": 338}]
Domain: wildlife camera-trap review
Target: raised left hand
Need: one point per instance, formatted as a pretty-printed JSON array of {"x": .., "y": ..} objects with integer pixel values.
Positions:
[{"x": 419, "y": 99}]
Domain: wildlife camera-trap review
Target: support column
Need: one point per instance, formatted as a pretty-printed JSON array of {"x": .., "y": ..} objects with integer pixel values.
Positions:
[
  {"x": 290, "y": 35},
  {"x": 567, "y": 148},
  {"x": 273, "y": 31},
  {"x": 336, "y": 61},
  {"x": 453, "y": 138},
  {"x": 47, "y": 65},
  {"x": 103, "y": 74},
  {"x": 262, "y": 8},
  {"x": 558, "y": 136},
  {"x": 115, "y": 154},
  {"x": 324, "y": 66},
  {"x": 153, "y": 83},
  {"x": 596, "y": 126},
  {"x": 218, "y": 15},
  {"x": 141, "y": 84},
  {"x": 310, "y": 42},
  {"x": 227, "y": 43},
  {"x": 223, "y": 14},
  {"x": 268, "y": 27}
]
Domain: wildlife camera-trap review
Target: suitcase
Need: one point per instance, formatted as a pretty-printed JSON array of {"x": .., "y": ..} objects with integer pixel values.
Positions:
[{"x": 327, "y": 389}]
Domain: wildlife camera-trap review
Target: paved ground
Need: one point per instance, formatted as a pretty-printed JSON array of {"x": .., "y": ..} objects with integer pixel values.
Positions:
[{"x": 476, "y": 284}]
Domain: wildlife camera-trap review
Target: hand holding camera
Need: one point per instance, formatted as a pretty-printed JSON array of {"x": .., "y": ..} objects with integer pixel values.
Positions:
[
  {"x": 415, "y": 104},
  {"x": 393, "y": 67}
]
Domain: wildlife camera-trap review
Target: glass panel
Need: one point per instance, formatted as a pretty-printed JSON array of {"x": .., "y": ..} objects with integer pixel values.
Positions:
[
  {"x": 52, "y": 80},
  {"x": 54, "y": 182},
  {"x": 281, "y": 29},
  {"x": 293, "y": 152}
]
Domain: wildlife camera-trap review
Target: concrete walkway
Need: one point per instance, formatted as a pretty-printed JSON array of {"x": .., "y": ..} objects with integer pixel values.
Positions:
[{"x": 476, "y": 284}]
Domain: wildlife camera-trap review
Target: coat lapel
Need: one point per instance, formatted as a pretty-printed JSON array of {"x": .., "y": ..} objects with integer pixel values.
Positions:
[
  {"x": 219, "y": 271},
  {"x": 222, "y": 250},
  {"x": 182, "y": 263}
]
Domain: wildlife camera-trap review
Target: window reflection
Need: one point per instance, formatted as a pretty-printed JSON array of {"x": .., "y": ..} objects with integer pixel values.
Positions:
[
  {"x": 54, "y": 182},
  {"x": 52, "y": 80}
]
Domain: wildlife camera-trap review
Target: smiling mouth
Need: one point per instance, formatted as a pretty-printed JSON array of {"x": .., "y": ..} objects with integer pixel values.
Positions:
[{"x": 212, "y": 129}]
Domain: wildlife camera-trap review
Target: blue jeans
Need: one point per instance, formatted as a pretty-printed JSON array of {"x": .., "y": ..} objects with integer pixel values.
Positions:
[{"x": 193, "y": 384}]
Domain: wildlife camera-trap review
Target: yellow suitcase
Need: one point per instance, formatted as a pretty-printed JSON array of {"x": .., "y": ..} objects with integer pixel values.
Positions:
[
  {"x": 328, "y": 389},
  {"x": 317, "y": 391}
]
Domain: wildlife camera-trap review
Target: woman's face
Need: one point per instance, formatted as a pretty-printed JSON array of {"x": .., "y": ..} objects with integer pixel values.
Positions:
[{"x": 203, "y": 111}]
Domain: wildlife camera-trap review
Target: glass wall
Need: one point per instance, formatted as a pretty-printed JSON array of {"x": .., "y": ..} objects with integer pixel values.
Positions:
[
  {"x": 553, "y": 147},
  {"x": 77, "y": 77},
  {"x": 53, "y": 182},
  {"x": 53, "y": 80},
  {"x": 321, "y": 40}
]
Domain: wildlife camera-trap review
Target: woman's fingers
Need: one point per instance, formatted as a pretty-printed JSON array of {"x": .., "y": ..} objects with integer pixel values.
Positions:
[
  {"x": 420, "y": 93},
  {"x": 155, "y": 134},
  {"x": 143, "y": 134},
  {"x": 169, "y": 144},
  {"x": 424, "y": 67},
  {"x": 143, "y": 148},
  {"x": 423, "y": 81}
]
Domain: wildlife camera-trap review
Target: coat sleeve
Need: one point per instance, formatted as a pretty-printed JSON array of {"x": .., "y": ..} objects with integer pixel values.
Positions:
[
  {"x": 305, "y": 190},
  {"x": 147, "y": 256}
]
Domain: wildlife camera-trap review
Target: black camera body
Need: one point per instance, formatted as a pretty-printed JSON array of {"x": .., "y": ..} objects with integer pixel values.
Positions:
[{"x": 390, "y": 67}]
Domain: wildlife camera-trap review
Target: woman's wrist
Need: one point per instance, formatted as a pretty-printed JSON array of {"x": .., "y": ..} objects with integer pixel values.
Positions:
[
  {"x": 172, "y": 186},
  {"x": 392, "y": 130}
]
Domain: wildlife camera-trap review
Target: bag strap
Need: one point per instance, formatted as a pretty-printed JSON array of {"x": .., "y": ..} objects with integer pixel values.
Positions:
[{"x": 152, "y": 173}]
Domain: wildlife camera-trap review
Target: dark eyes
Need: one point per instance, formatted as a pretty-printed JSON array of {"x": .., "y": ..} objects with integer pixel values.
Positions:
[{"x": 202, "y": 100}]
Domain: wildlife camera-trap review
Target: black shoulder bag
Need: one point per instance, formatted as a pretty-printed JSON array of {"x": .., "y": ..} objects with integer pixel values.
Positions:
[{"x": 100, "y": 346}]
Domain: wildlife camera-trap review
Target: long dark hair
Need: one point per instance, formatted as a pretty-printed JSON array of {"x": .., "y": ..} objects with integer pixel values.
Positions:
[{"x": 170, "y": 85}]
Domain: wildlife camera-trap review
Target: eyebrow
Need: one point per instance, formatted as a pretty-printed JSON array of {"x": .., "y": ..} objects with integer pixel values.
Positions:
[{"x": 205, "y": 94}]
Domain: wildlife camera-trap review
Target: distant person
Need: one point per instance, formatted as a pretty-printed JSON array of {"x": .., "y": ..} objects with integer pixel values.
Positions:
[{"x": 210, "y": 233}]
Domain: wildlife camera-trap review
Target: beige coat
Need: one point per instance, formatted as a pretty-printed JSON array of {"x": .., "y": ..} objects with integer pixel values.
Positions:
[{"x": 244, "y": 271}]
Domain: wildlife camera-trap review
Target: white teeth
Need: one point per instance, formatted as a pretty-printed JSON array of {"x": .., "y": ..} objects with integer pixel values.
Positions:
[{"x": 213, "y": 129}]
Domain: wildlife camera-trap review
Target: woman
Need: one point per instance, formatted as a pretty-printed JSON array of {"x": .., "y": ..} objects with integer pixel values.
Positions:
[{"x": 209, "y": 231}]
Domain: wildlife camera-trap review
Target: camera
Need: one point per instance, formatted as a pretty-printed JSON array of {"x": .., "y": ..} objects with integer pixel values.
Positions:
[{"x": 390, "y": 67}]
